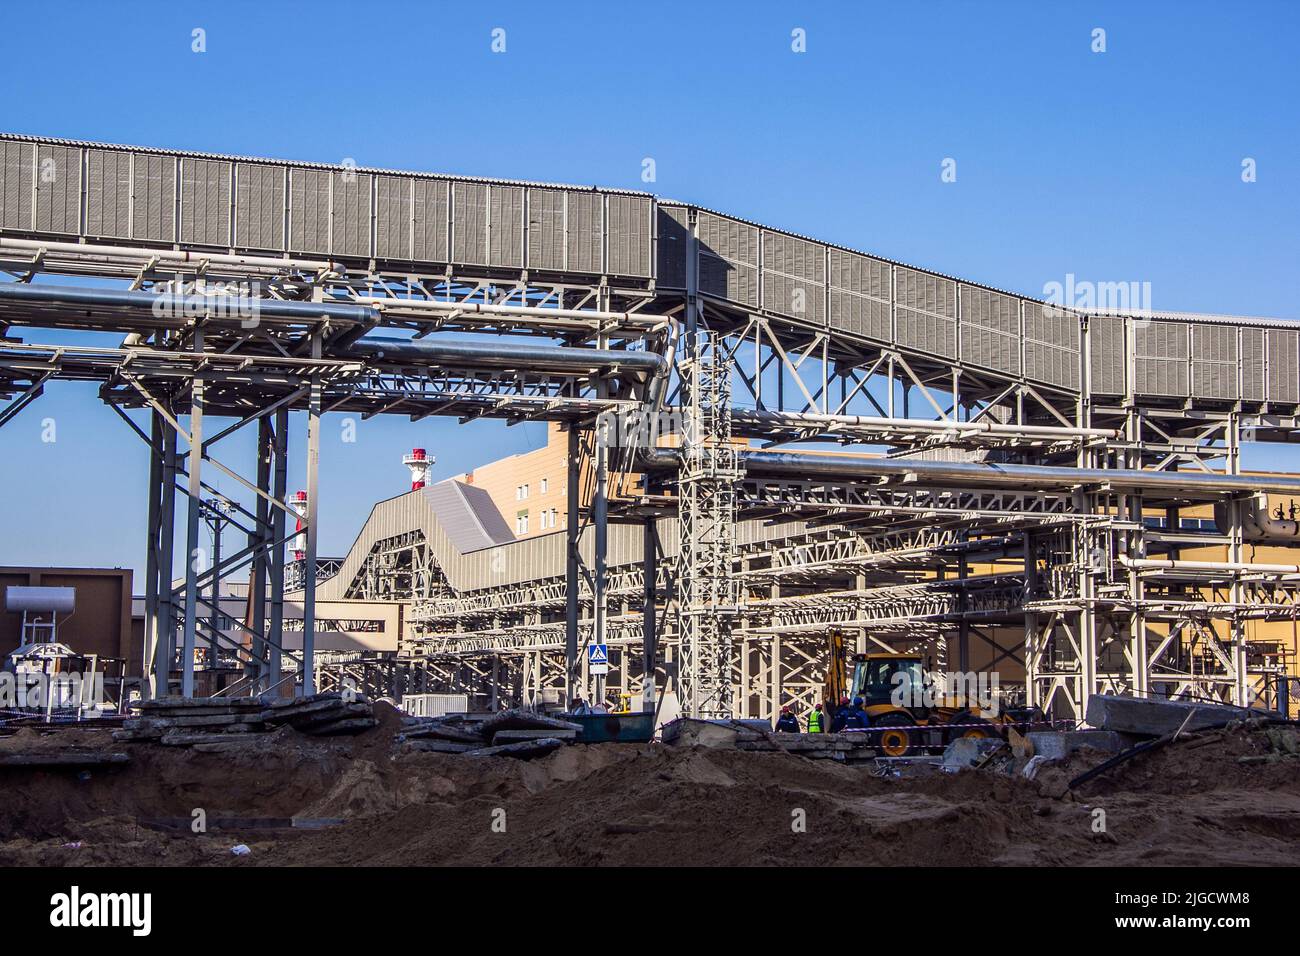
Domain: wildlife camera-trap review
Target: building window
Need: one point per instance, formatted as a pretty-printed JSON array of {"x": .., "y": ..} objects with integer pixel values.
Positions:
[
  {"x": 544, "y": 486},
  {"x": 521, "y": 523}
]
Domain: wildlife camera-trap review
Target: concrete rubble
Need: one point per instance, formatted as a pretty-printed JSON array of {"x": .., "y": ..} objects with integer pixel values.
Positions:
[
  {"x": 751, "y": 735},
  {"x": 219, "y": 724},
  {"x": 509, "y": 733}
]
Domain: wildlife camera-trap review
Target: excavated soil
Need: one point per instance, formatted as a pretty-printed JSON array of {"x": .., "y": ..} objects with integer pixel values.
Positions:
[{"x": 621, "y": 804}]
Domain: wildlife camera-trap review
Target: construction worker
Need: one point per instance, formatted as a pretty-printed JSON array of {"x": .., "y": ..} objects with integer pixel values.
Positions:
[
  {"x": 816, "y": 720},
  {"x": 787, "y": 723},
  {"x": 855, "y": 718},
  {"x": 841, "y": 715}
]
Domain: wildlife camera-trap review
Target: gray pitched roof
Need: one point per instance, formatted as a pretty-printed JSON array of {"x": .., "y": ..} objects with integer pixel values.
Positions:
[{"x": 467, "y": 514}]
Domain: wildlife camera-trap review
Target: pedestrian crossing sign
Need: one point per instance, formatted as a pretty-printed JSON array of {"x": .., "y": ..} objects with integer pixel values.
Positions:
[{"x": 598, "y": 658}]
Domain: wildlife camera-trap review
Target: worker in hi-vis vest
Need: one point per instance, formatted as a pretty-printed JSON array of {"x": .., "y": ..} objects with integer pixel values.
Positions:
[{"x": 816, "y": 721}]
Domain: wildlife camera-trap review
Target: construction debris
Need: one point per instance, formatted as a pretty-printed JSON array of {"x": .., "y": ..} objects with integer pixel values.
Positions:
[
  {"x": 216, "y": 724},
  {"x": 755, "y": 736},
  {"x": 1057, "y": 745},
  {"x": 524, "y": 748},
  {"x": 1153, "y": 717},
  {"x": 511, "y": 733},
  {"x": 518, "y": 719}
]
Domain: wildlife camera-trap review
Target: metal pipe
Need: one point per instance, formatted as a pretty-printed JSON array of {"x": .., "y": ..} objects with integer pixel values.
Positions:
[
  {"x": 503, "y": 355},
  {"x": 961, "y": 473},
  {"x": 424, "y": 351},
  {"x": 182, "y": 307},
  {"x": 166, "y": 257},
  {"x": 1257, "y": 522},
  {"x": 984, "y": 426},
  {"x": 1234, "y": 567},
  {"x": 488, "y": 308}
]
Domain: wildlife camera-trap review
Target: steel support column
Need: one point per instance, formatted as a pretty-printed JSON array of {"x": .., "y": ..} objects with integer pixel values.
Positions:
[{"x": 192, "y": 521}]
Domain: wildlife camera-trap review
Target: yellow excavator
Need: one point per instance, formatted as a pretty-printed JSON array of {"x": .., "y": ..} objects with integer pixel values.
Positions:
[{"x": 899, "y": 731}]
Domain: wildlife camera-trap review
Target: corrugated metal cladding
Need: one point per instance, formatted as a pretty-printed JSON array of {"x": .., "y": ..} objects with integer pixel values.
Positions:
[
  {"x": 506, "y": 226},
  {"x": 1252, "y": 365},
  {"x": 469, "y": 223},
  {"x": 1051, "y": 345},
  {"x": 925, "y": 312},
  {"x": 861, "y": 290},
  {"x": 108, "y": 194},
  {"x": 546, "y": 229},
  {"x": 58, "y": 190},
  {"x": 728, "y": 258},
  {"x": 166, "y": 198},
  {"x": 393, "y": 217},
  {"x": 309, "y": 211},
  {"x": 259, "y": 206},
  {"x": 628, "y": 235},
  {"x": 1214, "y": 361},
  {"x": 990, "y": 330},
  {"x": 153, "y": 192},
  {"x": 1160, "y": 352},
  {"x": 584, "y": 224},
  {"x": 350, "y": 213},
  {"x": 1283, "y": 366},
  {"x": 794, "y": 277},
  {"x": 205, "y": 202},
  {"x": 431, "y": 207},
  {"x": 17, "y": 162},
  {"x": 674, "y": 242},
  {"x": 1109, "y": 354}
]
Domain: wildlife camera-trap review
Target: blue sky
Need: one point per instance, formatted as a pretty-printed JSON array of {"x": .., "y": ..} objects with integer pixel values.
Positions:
[{"x": 1115, "y": 166}]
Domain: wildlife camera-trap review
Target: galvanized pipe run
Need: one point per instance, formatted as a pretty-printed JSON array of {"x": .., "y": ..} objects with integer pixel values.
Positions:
[
  {"x": 178, "y": 309},
  {"x": 168, "y": 258},
  {"x": 962, "y": 474},
  {"x": 1229, "y": 567},
  {"x": 982, "y": 427},
  {"x": 182, "y": 309},
  {"x": 503, "y": 355}
]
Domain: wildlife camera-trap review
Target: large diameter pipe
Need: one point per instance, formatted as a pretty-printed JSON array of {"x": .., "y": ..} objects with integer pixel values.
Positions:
[
  {"x": 1258, "y": 523},
  {"x": 1230, "y": 567},
  {"x": 962, "y": 473},
  {"x": 178, "y": 306},
  {"x": 981, "y": 427},
  {"x": 503, "y": 355}
]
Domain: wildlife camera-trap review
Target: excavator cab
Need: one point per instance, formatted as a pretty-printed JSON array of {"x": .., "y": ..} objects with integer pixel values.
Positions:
[{"x": 878, "y": 677}]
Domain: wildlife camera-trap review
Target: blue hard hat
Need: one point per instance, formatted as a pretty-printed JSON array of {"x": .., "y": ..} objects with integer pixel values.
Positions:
[{"x": 857, "y": 701}]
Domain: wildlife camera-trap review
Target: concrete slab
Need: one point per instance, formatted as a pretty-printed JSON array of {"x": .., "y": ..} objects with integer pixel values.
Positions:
[
  {"x": 1154, "y": 717},
  {"x": 1055, "y": 745}
]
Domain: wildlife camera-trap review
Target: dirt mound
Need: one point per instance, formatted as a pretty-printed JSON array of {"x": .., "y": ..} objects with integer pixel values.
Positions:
[{"x": 624, "y": 804}]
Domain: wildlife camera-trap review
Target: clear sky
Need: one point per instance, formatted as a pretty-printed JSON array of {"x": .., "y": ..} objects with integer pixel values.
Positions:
[{"x": 1122, "y": 165}]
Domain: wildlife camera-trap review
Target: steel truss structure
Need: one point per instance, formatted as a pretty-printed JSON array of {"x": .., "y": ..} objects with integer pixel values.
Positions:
[{"x": 1043, "y": 471}]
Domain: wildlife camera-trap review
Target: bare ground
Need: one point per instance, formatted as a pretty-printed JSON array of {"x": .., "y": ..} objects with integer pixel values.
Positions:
[{"x": 623, "y": 804}]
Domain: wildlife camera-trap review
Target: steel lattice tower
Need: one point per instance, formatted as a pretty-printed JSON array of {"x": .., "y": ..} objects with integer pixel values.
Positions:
[{"x": 709, "y": 588}]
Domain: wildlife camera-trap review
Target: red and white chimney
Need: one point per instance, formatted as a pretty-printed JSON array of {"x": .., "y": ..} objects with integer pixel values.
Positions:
[
  {"x": 299, "y": 505},
  {"x": 419, "y": 463}
]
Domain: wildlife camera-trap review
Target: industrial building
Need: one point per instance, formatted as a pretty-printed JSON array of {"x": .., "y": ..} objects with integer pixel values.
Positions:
[{"x": 1052, "y": 492}]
